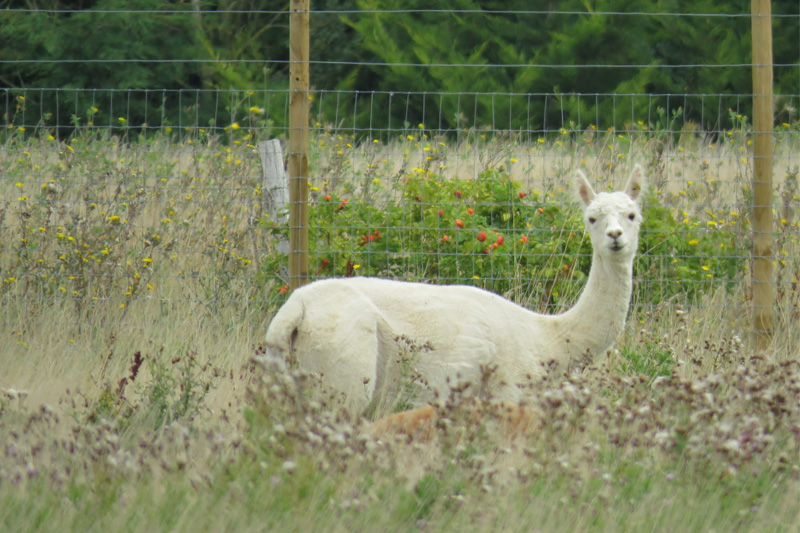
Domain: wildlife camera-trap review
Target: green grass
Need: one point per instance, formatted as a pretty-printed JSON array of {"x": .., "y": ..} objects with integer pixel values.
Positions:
[
  {"x": 138, "y": 279},
  {"x": 649, "y": 360}
]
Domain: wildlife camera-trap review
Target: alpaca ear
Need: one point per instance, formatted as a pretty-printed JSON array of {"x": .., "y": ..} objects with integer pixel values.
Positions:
[
  {"x": 636, "y": 183},
  {"x": 585, "y": 190}
]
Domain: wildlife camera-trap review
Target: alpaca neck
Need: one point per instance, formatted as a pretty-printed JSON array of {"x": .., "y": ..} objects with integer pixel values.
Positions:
[{"x": 597, "y": 318}]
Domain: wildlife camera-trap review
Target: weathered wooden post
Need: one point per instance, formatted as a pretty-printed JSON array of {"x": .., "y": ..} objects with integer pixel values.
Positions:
[
  {"x": 762, "y": 173},
  {"x": 298, "y": 142},
  {"x": 276, "y": 187}
]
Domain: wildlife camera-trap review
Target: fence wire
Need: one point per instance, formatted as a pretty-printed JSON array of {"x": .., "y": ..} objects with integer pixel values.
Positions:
[{"x": 132, "y": 205}]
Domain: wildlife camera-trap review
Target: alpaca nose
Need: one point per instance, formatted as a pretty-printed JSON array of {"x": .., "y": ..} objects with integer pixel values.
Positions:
[{"x": 614, "y": 233}]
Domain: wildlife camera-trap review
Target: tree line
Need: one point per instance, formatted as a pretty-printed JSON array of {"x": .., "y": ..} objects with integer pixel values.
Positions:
[{"x": 529, "y": 56}]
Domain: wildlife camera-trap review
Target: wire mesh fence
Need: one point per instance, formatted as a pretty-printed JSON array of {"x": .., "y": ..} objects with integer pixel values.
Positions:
[{"x": 131, "y": 205}]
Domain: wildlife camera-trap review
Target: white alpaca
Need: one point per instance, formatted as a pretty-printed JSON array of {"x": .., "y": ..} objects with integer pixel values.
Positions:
[{"x": 351, "y": 331}]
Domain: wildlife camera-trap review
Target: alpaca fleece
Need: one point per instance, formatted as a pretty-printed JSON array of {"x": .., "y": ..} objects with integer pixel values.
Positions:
[{"x": 362, "y": 334}]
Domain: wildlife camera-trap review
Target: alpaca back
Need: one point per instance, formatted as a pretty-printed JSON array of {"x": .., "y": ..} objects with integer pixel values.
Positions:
[{"x": 360, "y": 333}]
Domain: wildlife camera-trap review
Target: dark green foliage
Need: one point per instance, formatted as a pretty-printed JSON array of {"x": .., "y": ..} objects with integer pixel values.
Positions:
[
  {"x": 657, "y": 48},
  {"x": 65, "y": 48},
  {"x": 516, "y": 64}
]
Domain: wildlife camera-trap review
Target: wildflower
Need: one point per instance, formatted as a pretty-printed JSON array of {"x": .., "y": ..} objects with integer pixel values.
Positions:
[
  {"x": 481, "y": 236},
  {"x": 235, "y": 126},
  {"x": 459, "y": 223}
]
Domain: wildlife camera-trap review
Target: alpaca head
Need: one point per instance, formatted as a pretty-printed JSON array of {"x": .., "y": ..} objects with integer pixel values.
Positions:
[{"x": 613, "y": 218}]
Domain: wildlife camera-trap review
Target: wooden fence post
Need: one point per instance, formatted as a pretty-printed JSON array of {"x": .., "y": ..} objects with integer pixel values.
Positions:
[
  {"x": 298, "y": 142},
  {"x": 275, "y": 184},
  {"x": 762, "y": 173}
]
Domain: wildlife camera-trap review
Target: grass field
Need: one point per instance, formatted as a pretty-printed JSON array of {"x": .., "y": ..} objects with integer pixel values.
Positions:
[{"x": 138, "y": 278}]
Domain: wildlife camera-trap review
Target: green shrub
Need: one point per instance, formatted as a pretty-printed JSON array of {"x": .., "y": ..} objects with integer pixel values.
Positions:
[{"x": 490, "y": 232}]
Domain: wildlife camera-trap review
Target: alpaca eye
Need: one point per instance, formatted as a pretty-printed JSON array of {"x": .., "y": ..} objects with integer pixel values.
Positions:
[
  {"x": 631, "y": 217},
  {"x": 592, "y": 220}
]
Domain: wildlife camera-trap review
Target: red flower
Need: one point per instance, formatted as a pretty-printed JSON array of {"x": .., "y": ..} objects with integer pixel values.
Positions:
[
  {"x": 500, "y": 240},
  {"x": 459, "y": 223},
  {"x": 522, "y": 195},
  {"x": 284, "y": 289},
  {"x": 481, "y": 236}
]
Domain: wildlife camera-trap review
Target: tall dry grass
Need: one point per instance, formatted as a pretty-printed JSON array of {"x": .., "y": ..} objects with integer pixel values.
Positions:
[{"x": 136, "y": 293}]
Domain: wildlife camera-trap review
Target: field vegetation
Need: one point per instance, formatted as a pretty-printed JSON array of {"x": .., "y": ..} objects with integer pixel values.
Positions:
[{"x": 139, "y": 273}]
